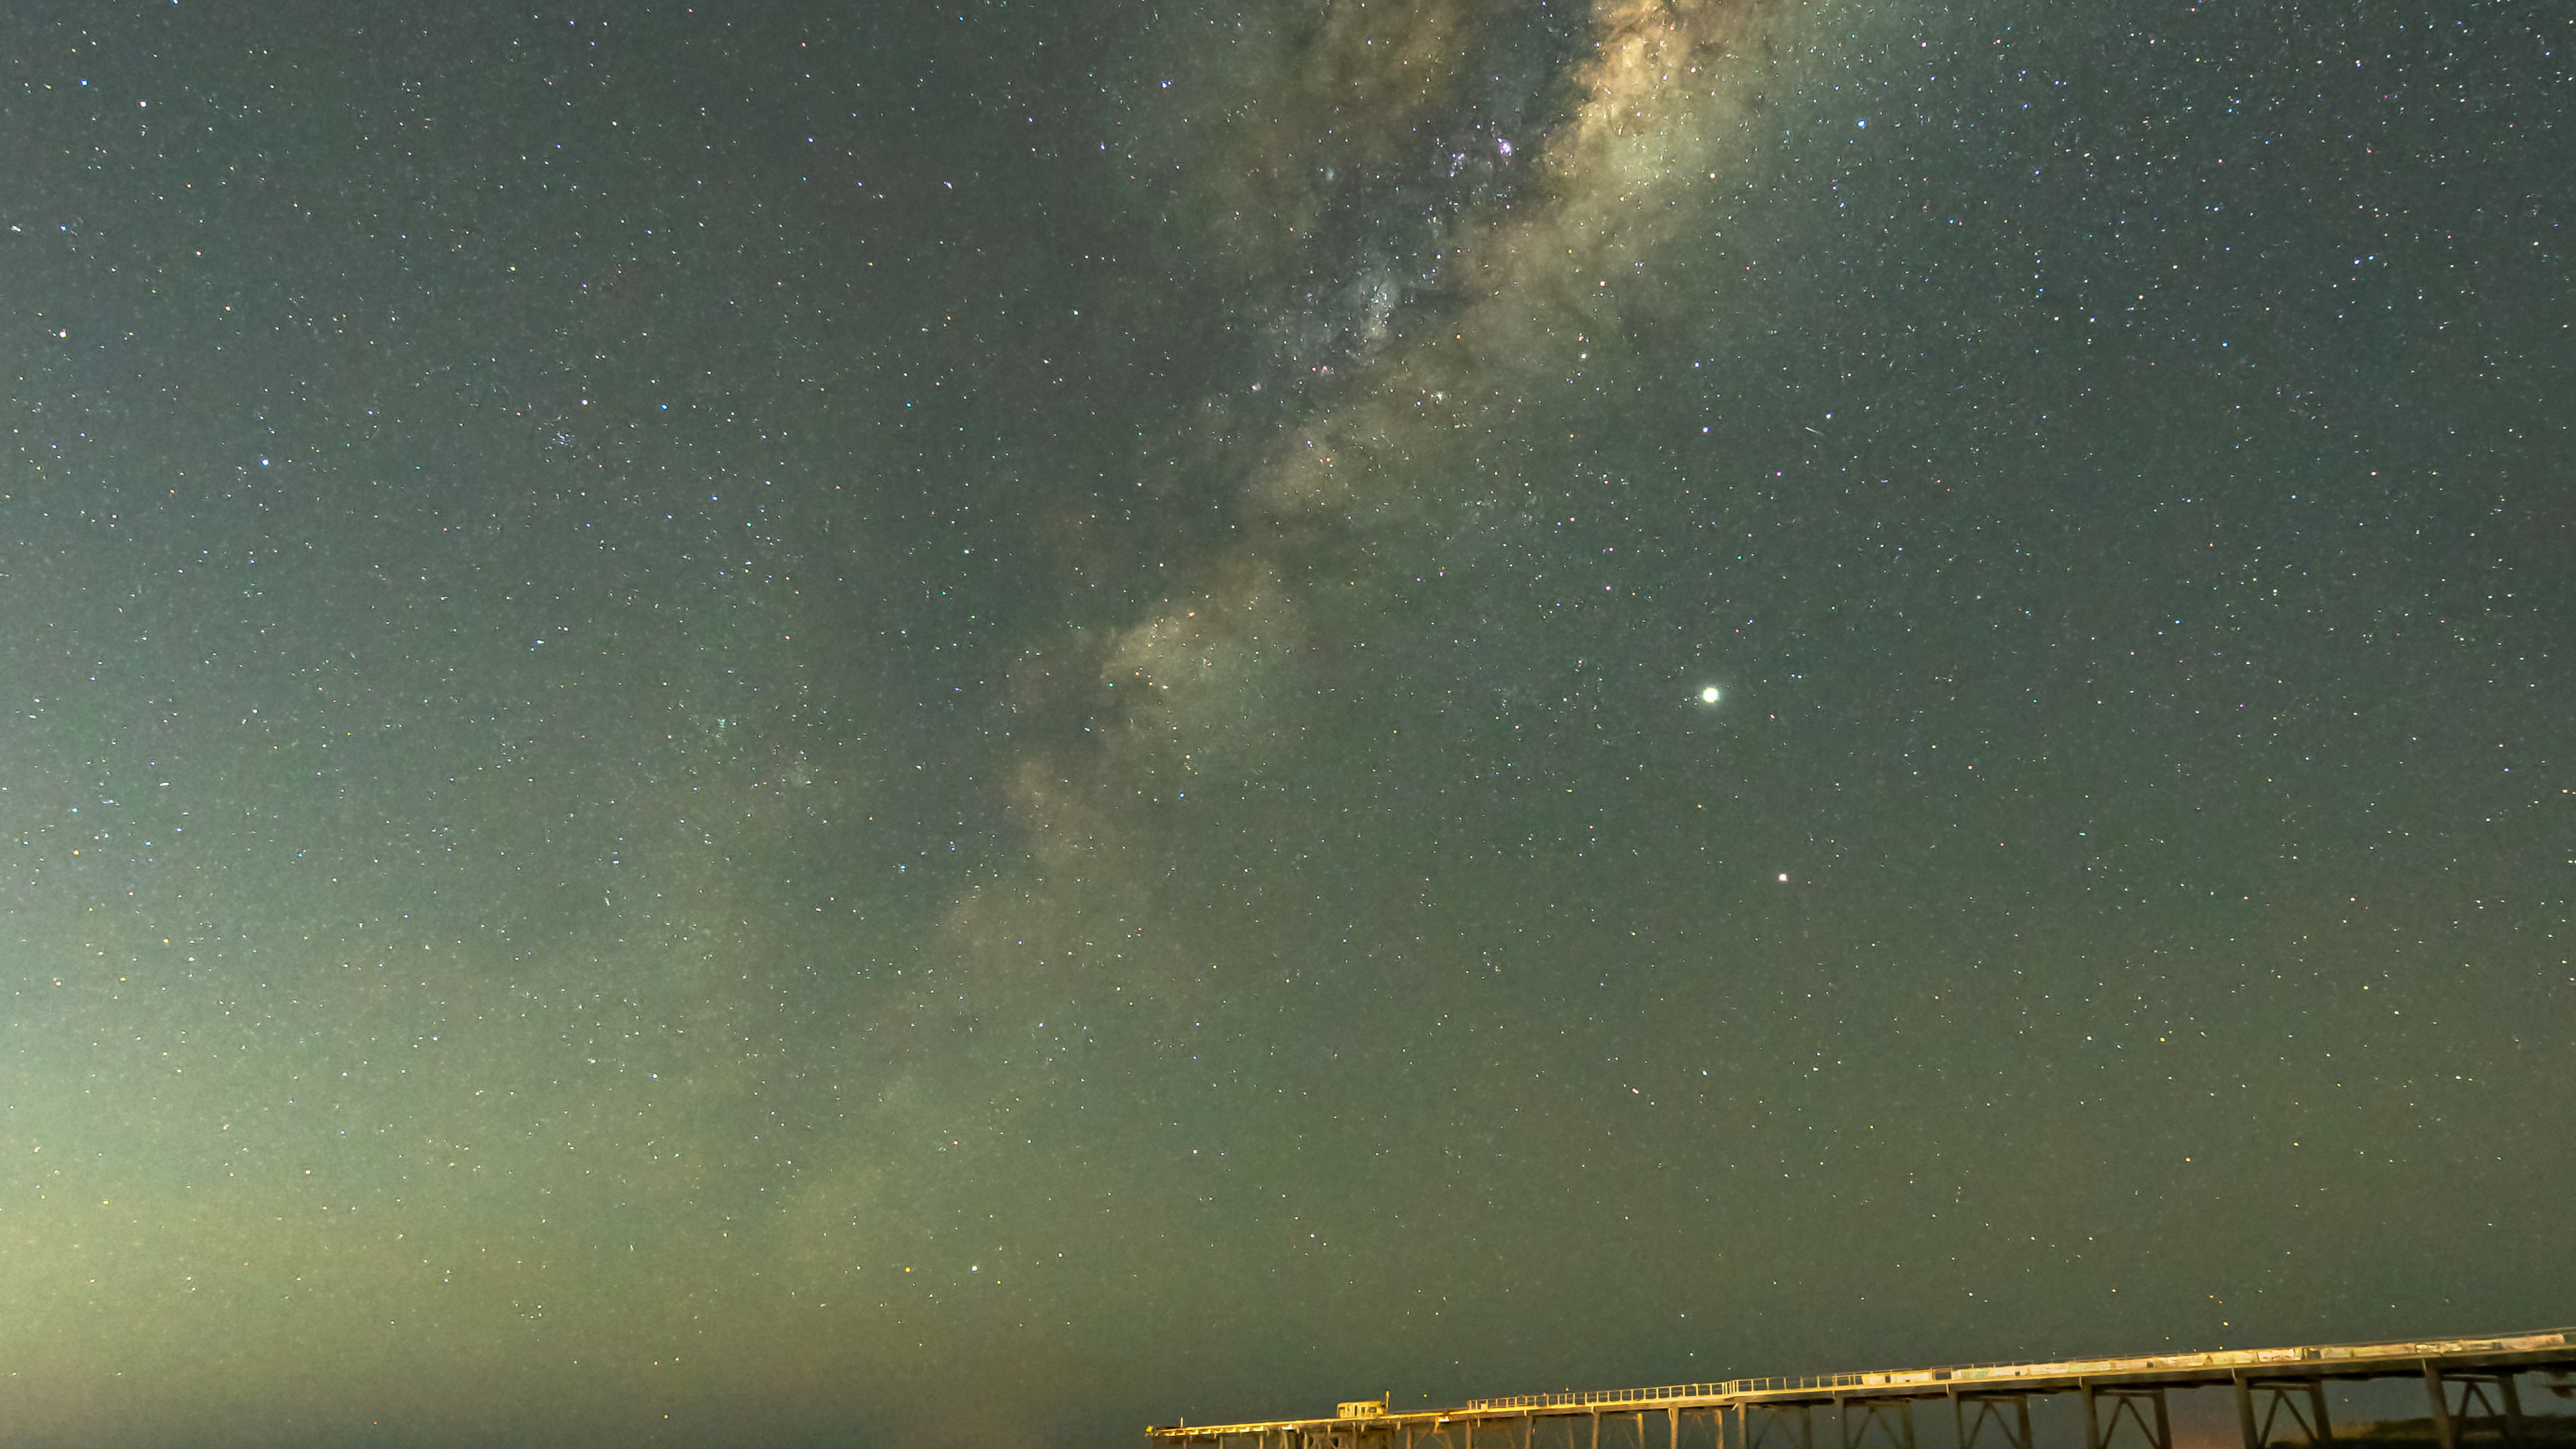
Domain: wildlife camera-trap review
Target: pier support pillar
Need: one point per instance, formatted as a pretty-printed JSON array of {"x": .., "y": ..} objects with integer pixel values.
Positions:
[
  {"x": 2504, "y": 1408},
  {"x": 1989, "y": 1408},
  {"x": 2101, "y": 1424},
  {"x": 2442, "y": 1428},
  {"x": 2257, "y": 1430},
  {"x": 1894, "y": 1419}
]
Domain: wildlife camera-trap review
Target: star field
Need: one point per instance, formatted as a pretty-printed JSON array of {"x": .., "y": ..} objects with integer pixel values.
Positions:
[{"x": 970, "y": 725}]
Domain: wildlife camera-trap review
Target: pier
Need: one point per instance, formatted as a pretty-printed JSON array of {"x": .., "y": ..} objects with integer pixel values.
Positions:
[{"x": 2280, "y": 1404}]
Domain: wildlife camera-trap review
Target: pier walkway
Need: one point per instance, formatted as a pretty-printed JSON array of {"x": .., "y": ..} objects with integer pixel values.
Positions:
[{"x": 2280, "y": 1404}]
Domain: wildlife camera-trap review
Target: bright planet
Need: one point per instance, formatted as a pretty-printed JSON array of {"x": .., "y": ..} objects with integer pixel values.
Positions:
[{"x": 1708, "y": 695}]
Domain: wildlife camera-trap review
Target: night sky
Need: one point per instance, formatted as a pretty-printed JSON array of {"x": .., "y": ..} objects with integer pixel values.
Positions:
[{"x": 974, "y": 723}]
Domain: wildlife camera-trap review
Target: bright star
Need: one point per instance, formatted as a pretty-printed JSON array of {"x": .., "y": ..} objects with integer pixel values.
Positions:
[{"x": 1708, "y": 695}]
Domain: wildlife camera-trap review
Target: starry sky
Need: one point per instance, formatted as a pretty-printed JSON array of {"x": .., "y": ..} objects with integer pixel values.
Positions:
[{"x": 974, "y": 723}]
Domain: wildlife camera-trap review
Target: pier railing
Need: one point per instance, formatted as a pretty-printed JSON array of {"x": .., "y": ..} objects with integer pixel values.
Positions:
[{"x": 2051, "y": 1369}]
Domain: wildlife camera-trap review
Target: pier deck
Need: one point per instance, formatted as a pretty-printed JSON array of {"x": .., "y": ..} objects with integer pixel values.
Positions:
[{"x": 2280, "y": 1402}]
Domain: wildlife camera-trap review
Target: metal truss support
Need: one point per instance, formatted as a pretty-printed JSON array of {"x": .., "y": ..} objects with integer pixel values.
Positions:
[
  {"x": 1894, "y": 1418},
  {"x": 2277, "y": 1398},
  {"x": 2503, "y": 1408},
  {"x": 1754, "y": 1431},
  {"x": 1989, "y": 1408},
  {"x": 2124, "y": 1403}
]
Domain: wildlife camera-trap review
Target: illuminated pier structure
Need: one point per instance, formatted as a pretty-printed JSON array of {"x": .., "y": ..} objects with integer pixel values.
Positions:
[{"x": 2280, "y": 1404}]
